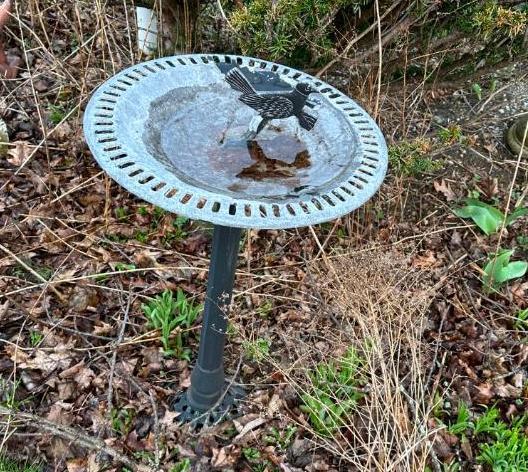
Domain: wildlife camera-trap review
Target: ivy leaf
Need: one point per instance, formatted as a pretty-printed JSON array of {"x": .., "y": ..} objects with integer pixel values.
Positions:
[{"x": 485, "y": 216}]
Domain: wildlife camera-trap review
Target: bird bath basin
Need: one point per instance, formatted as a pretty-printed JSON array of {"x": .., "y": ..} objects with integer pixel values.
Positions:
[{"x": 241, "y": 143}]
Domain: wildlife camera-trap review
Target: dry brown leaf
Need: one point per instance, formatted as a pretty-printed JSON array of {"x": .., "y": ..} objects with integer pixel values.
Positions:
[
  {"x": 424, "y": 261},
  {"x": 19, "y": 154},
  {"x": 445, "y": 189},
  {"x": 225, "y": 457},
  {"x": 46, "y": 361}
]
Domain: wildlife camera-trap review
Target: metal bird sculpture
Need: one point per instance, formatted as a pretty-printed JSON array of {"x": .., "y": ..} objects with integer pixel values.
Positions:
[{"x": 273, "y": 105}]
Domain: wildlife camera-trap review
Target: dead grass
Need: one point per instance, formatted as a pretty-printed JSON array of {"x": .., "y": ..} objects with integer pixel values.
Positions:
[{"x": 378, "y": 304}]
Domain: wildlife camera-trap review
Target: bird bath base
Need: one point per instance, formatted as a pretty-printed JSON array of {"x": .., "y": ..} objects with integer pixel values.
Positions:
[{"x": 224, "y": 408}]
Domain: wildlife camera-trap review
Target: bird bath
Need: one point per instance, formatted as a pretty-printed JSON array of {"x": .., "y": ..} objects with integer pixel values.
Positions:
[{"x": 241, "y": 143}]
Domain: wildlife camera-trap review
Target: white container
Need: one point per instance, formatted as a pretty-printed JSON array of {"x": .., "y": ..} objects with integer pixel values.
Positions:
[{"x": 147, "y": 30}]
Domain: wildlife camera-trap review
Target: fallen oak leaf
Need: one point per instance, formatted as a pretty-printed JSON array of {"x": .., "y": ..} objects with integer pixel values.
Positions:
[{"x": 445, "y": 189}]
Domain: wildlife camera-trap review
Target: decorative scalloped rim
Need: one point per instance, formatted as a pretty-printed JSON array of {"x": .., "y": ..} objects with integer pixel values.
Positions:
[{"x": 170, "y": 193}]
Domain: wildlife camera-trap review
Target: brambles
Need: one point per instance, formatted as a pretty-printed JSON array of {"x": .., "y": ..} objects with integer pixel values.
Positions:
[
  {"x": 335, "y": 389},
  {"x": 167, "y": 314}
]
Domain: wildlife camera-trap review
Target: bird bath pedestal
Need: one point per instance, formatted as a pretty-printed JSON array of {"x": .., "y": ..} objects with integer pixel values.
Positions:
[{"x": 241, "y": 143}]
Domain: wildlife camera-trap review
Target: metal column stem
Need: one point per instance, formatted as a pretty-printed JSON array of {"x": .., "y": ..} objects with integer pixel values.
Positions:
[{"x": 207, "y": 379}]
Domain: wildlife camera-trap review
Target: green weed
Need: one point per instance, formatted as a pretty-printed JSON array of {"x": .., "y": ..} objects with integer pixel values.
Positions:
[
  {"x": 121, "y": 420},
  {"x": 410, "y": 158},
  {"x": 251, "y": 454},
  {"x": 9, "y": 465},
  {"x": 121, "y": 213},
  {"x": 521, "y": 320},
  {"x": 503, "y": 448},
  {"x": 477, "y": 90},
  {"x": 257, "y": 350},
  {"x": 167, "y": 314},
  {"x": 281, "y": 439},
  {"x": 499, "y": 270},
  {"x": 57, "y": 113},
  {"x": 182, "y": 466},
  {"x": 265, "y": 309},
  {"x": 463, "y": 422},
  {"x": 488, "y": 218},
  {"x": 333, "y": 393},
  {"x": 451, "y": 135},
  {"x": 141, "y": 236},
  {"x": 35, "y": 337},
  {"x": 122, "y": 266}
]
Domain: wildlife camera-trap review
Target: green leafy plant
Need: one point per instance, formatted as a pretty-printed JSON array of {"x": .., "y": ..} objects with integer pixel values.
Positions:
[
  {"x": 57, "y": 113},
  {"x": 178, "y": 233},
  {"x": 488, "y": 218},
  {"x": 182, "y": 466},
  {"x": 410, "y": 158},
  {"x": 462, "y": 423},
  {"x": 35, "y": 337},
  {"x": 281, "y": 438},
  {"x": 451, "y": 135},
  {"x": 121, "y": 213},
  {"x": 251, "y": 454},
  {"x": 265, "y": 309},
  {"x": 334, "y": 392},
  {"x": 121, "y": 420},
  {"x": 141, "y": 236},
  {"x": 495, "y": 19},
  {"x": 504, "y": 448},
  {"x": 298, "y": 31},
  {"x": 10, "y": 465},
  {"x": 521, "y": 320},
  {"x": 167, "y": 314},
  {"x": 122, "y": 266},
  {"x": 499, "y": 270},
  {"x": 477, "y": 90},
  {"x": 522, "y": 241},
  {"x": 258, "y": 349}
]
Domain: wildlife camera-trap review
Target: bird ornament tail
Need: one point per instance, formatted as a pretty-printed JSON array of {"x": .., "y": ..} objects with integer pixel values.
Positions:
[
  {"x": 236, "y": 79},
  {"x": 307, "y": 121}
]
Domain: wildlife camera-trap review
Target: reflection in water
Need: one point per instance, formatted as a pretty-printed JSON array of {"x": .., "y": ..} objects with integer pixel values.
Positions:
[{"x": 266, "y": 167}]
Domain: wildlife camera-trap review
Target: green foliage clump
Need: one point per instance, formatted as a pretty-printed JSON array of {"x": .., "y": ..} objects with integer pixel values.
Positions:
[
  {"x": 493, "y": 19},
  {"x": 410, "y": 158},
  {"x": 335, "y": 389},
  {"x": 9, "y": 465},
  {"x": 504, "y": 448},
  {"x": 170, "y": 316},
  {"x": 294, "y": 31}
]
